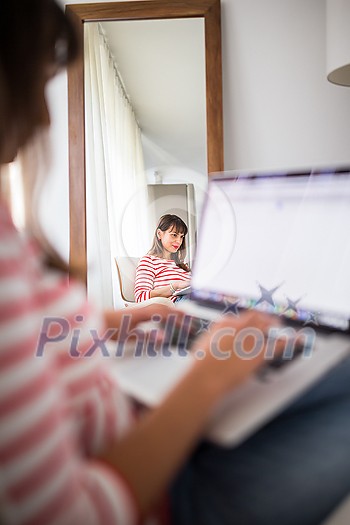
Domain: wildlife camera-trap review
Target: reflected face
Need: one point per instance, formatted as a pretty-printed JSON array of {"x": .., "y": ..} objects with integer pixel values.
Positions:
[{"x": 171, "y": 241}]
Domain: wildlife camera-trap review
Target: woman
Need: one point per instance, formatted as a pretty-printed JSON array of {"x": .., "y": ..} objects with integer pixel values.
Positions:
[
  {"x": 70, "y": 452},
  {"x": 162, "y": 272}
]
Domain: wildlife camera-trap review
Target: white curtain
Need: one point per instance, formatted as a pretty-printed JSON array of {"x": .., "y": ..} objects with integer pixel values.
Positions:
[{"x": 116, "y": 179}]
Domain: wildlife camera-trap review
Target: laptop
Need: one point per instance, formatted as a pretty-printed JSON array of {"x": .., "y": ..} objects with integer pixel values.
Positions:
[{"x": 275, "y": 242}]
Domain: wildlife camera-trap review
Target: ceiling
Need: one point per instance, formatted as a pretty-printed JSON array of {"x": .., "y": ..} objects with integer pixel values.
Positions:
[{"x": 162, "y": 64}]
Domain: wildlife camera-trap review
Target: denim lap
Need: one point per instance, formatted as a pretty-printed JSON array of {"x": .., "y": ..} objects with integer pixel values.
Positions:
[{"x": 294, "y": 471}]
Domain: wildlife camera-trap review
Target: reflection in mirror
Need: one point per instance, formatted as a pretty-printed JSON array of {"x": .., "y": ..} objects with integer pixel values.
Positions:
[
  {"x": 162, "y": 66},
  {"x": 146, "y": 131},
  {"x": 145, "y": 128}
]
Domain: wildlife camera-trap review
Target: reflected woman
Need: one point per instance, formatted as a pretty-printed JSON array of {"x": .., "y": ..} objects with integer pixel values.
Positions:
[{"x": 162, "y": 272}]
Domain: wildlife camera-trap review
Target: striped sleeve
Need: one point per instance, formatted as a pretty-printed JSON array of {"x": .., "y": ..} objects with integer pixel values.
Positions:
[
  {"x": 44, "y": 478},
  {"x": 58, "y": 404},
  {"x": 154, "y": 272},
  {"x": 145, "y": 277}
]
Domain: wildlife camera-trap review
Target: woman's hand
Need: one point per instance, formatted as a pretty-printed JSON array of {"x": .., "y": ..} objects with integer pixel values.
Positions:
[
  {"x": 234, "y": 348},
  {"x": 153, "y": 451},
  {"x": 179, "y": 285}
]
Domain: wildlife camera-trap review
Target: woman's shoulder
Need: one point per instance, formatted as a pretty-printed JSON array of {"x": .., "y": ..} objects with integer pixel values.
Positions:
[
  {"x": 148, "y": 260},
  {"x": 151, "y": 258}
]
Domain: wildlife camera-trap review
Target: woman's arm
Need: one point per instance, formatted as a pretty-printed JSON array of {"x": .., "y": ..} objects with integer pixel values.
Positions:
[
  {"x": 148, "y": 285},
  {"x": 170, "y": 289},
  {"x": 162, "y": 291},
  {"x": 149, "y": 456},
  {"x": 138, "y": 314},
  {"x": 144, "y": 279}
]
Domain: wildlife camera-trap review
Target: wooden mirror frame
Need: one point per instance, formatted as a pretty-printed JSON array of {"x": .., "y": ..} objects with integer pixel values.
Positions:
[{"x": 136, "y": 10}]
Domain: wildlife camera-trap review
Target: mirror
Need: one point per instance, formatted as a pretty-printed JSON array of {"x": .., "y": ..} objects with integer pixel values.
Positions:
[{"x": 209, "y": 12}]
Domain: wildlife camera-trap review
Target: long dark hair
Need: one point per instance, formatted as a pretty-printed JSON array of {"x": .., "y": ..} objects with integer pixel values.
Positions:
[
  {"x": 36, "y": 40},
  {"x": 178, "y": 226},
  {"x": 33, "y": 34}
]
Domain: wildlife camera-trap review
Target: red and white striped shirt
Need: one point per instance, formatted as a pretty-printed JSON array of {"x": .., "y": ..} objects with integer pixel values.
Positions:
[
  {"x": 56, "y": 411},
  {"x": 153, "y": 272}
]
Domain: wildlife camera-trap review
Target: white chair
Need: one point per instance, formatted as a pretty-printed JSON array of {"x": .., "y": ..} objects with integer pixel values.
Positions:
[{"x": 126, "y": 267}]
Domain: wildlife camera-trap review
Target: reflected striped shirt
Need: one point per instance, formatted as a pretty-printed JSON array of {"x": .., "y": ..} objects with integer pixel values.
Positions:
[{"x": 153, "y": 272}]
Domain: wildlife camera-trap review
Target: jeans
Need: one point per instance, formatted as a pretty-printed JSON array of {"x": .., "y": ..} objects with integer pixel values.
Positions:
[
  {"x": 180, "y": 298},
  {"x": 294, "y": 471}
]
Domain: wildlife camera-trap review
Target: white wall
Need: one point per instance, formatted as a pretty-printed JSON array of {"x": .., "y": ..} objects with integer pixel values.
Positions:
[
  {"x": 279, "y": 109},
  {"x": 182, "y": 175}
]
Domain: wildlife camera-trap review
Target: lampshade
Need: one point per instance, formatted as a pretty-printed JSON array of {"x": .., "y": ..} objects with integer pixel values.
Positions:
[{"x": 338, "y": 41}]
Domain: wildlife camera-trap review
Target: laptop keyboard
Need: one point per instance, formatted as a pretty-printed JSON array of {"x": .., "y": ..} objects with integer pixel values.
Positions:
[
  {"x": 182, "y": 339},
  {"x": 280, "y": 362}
]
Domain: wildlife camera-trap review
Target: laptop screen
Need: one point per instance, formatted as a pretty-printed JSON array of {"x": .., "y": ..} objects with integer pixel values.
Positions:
[{"x": 279, "y": 243}]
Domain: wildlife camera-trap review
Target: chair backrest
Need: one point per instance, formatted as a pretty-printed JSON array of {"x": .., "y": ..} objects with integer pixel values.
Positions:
[{"x": 126, "y": 267}]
